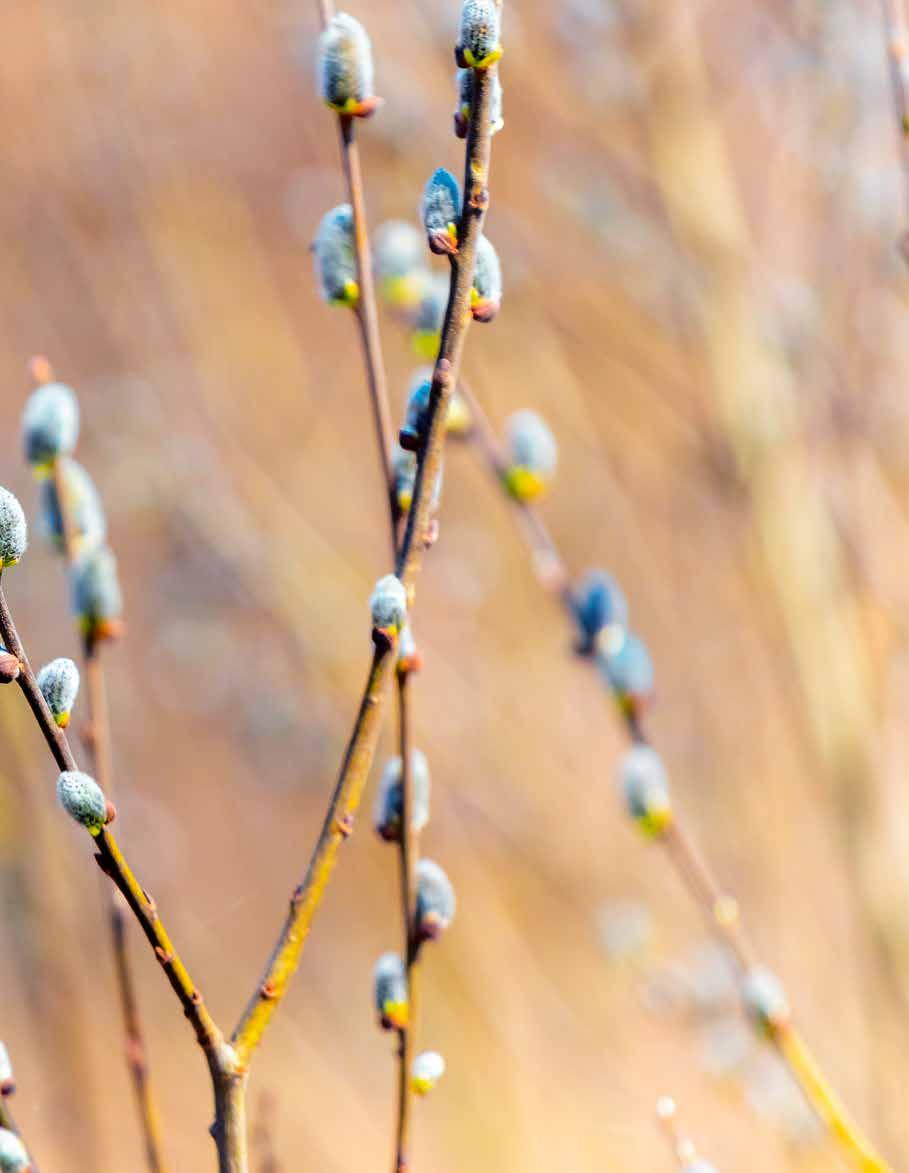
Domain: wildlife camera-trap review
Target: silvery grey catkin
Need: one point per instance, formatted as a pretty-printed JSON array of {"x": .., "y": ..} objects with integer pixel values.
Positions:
[
  {"x": 59, "y": 684},
  {"x": 13, "y": 529},
  {"x": 7, "y": 1079},
  {"x": 84, "y": 507},
  {"x": 645, "y": 787},
  {"x": 765, "y": 1001},
  {"x": 426, "y": 1071},
  {"x": 464, "y": 82},
  {"x": 486, "y": 294},
  {"x": 440, "y": 211},
  {"x": 345, "y": 67},
  {"x": 336, "y": 261},
  {"x": 533, "y": 455},
  {"x": 82, "y": 799},
  {"x": 50, "y": 424},
  {"x": 479, "y": 44},
  {"x": 436, "y": 902},
  {"x": 96, "y": 598},
  {"x": 400, "y": 264},
  {"x": 389, "y": 799},
  {"x": 416, "y": 416},
  {"x": 388, "y": 604},
  {"x": 13, "y": 1157},
  {"x": 390, "y": 991}
]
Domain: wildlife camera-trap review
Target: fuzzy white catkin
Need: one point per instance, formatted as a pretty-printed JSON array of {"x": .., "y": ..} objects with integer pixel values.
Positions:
[
  {"x": 345, "y": 68},
  {"x": 13, "y": 1157},
  {"x": 6, "y": 1066},
  {"x": 436, "y": 904},
  {"x": 96, "y": 587},
  {"x": 399, "y": 249},
  {"x": 50, "y": 423},
  {"x": 764, "y": 998},
  {"x": 336, "y": 260},
  {"x": 389, "y": 803},
  {"x": 465, "y": 99},
  {"x": 426, "y": 1071},
  {"x": 440, "y": 205},
  {"x": 531, "y": 444},
  {"x": 644, "y": 782},
  {"x": 388, "y": 603},
  {"x": 13, "y": 529},
  {"x": 478, "y": 38},
  {"x": 389, "y": 982},
  {"x": 487, "y": 277},
  {"x": 59, "y": 684},
  {"x": 83, "y": 503},
  {"x": 82, "y": 798}
]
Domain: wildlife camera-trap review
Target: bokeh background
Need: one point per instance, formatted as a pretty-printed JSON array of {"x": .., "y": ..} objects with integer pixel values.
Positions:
[{"x": 697, "y": 206}]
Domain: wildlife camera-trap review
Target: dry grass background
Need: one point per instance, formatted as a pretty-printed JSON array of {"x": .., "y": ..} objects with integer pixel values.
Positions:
[{"x": 696, "y": 207}]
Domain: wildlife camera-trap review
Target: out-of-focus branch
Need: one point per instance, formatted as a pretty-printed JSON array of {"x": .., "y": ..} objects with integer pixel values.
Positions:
[
  {"x": 99, "y": 748},
  {"x": 897, "y": 35},
  {"x": 720, "y": 909}
]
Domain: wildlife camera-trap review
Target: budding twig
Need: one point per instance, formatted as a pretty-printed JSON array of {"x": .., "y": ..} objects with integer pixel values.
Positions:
[
  {"x": 229, "y": 1129},
  {"x": 98, "y": 746},
  {"x": 720, "y": 909}
]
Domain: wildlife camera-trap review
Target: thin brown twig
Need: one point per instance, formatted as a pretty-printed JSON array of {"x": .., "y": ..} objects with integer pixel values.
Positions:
[
  {"x": 408, "y": 847},
  {"x": 360, "y": 751},
  {"x": 99, "y": 748},
  {"x": 229, "y": 1129},
  {"x": 720, "y": 909}
]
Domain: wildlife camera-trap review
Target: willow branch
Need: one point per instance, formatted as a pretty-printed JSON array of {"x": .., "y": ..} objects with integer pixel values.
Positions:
[
  {"x": 367, "y": 305},
  {"x": 360, "y": 751},
  {"x": 720, "y": 909},
  {"x": 408, "y": 847},
  {"x": 113, "y": 863},
  {"x": 99, "y": 747}
]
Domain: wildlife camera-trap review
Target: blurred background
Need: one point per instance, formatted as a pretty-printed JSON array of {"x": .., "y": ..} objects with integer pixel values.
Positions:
[{"x": 698, "y": 208}]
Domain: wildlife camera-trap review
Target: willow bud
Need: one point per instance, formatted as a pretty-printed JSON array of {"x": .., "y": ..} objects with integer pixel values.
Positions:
[
  {"x": 416, "y": 418},
  {"x": 435, "y": 901},
  {"x": 96, "y": 597},
  {"x": 533, "y": 455},
  {"x": 598, "y": 603},
  {"x": 83, "y": 503},
  {"x": 440, "y": 211},
  {"x": 465, "y": 101},
  {"x": 486, "y": 294},
  {"x": 645, "y": 786},
  {"x": 765, "y": 1001},
  {"x": 430, "y": 316},
  {"x": 426, "y": 1071},
  {"x": 388, "y": 604},
  {"x": 50, "y": 424},
  {"x": 459, "y": 421},
  {"x": 13, "y": 529},
  {"x": 336, "y": 259},
  {"x": 59, "y": 684},
  {"x": 13, "y": 1157},
  {"x": 83, "y": 800},
  {"x": 345, "y": 70},
  {"x": 409, "y": 658},
  {"x": 389, "y": 800},
  {"x": 399, "y": 256},
  {"x": 390, "y": 992},
  {"x": 479, "y": 44},
  {"x": 625, "y": 664}
]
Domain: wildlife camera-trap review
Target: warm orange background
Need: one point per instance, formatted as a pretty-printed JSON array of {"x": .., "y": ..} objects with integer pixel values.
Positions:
[{"x": 696, "y": 208}]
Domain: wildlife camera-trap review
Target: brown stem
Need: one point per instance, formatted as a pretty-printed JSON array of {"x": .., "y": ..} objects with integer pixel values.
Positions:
[
  {"x": 337, "y": 826},
  {"x": 720, "y": 909},
  {"x": 99, "y": 748},
  {"x": 114, "y": 865},
  {"x": 358, "y": 757},
  {"x": 408, "y": 852}
]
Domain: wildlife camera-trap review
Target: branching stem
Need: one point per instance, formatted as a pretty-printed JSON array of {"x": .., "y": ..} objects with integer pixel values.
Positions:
[{"x": 720, "y": 909}]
